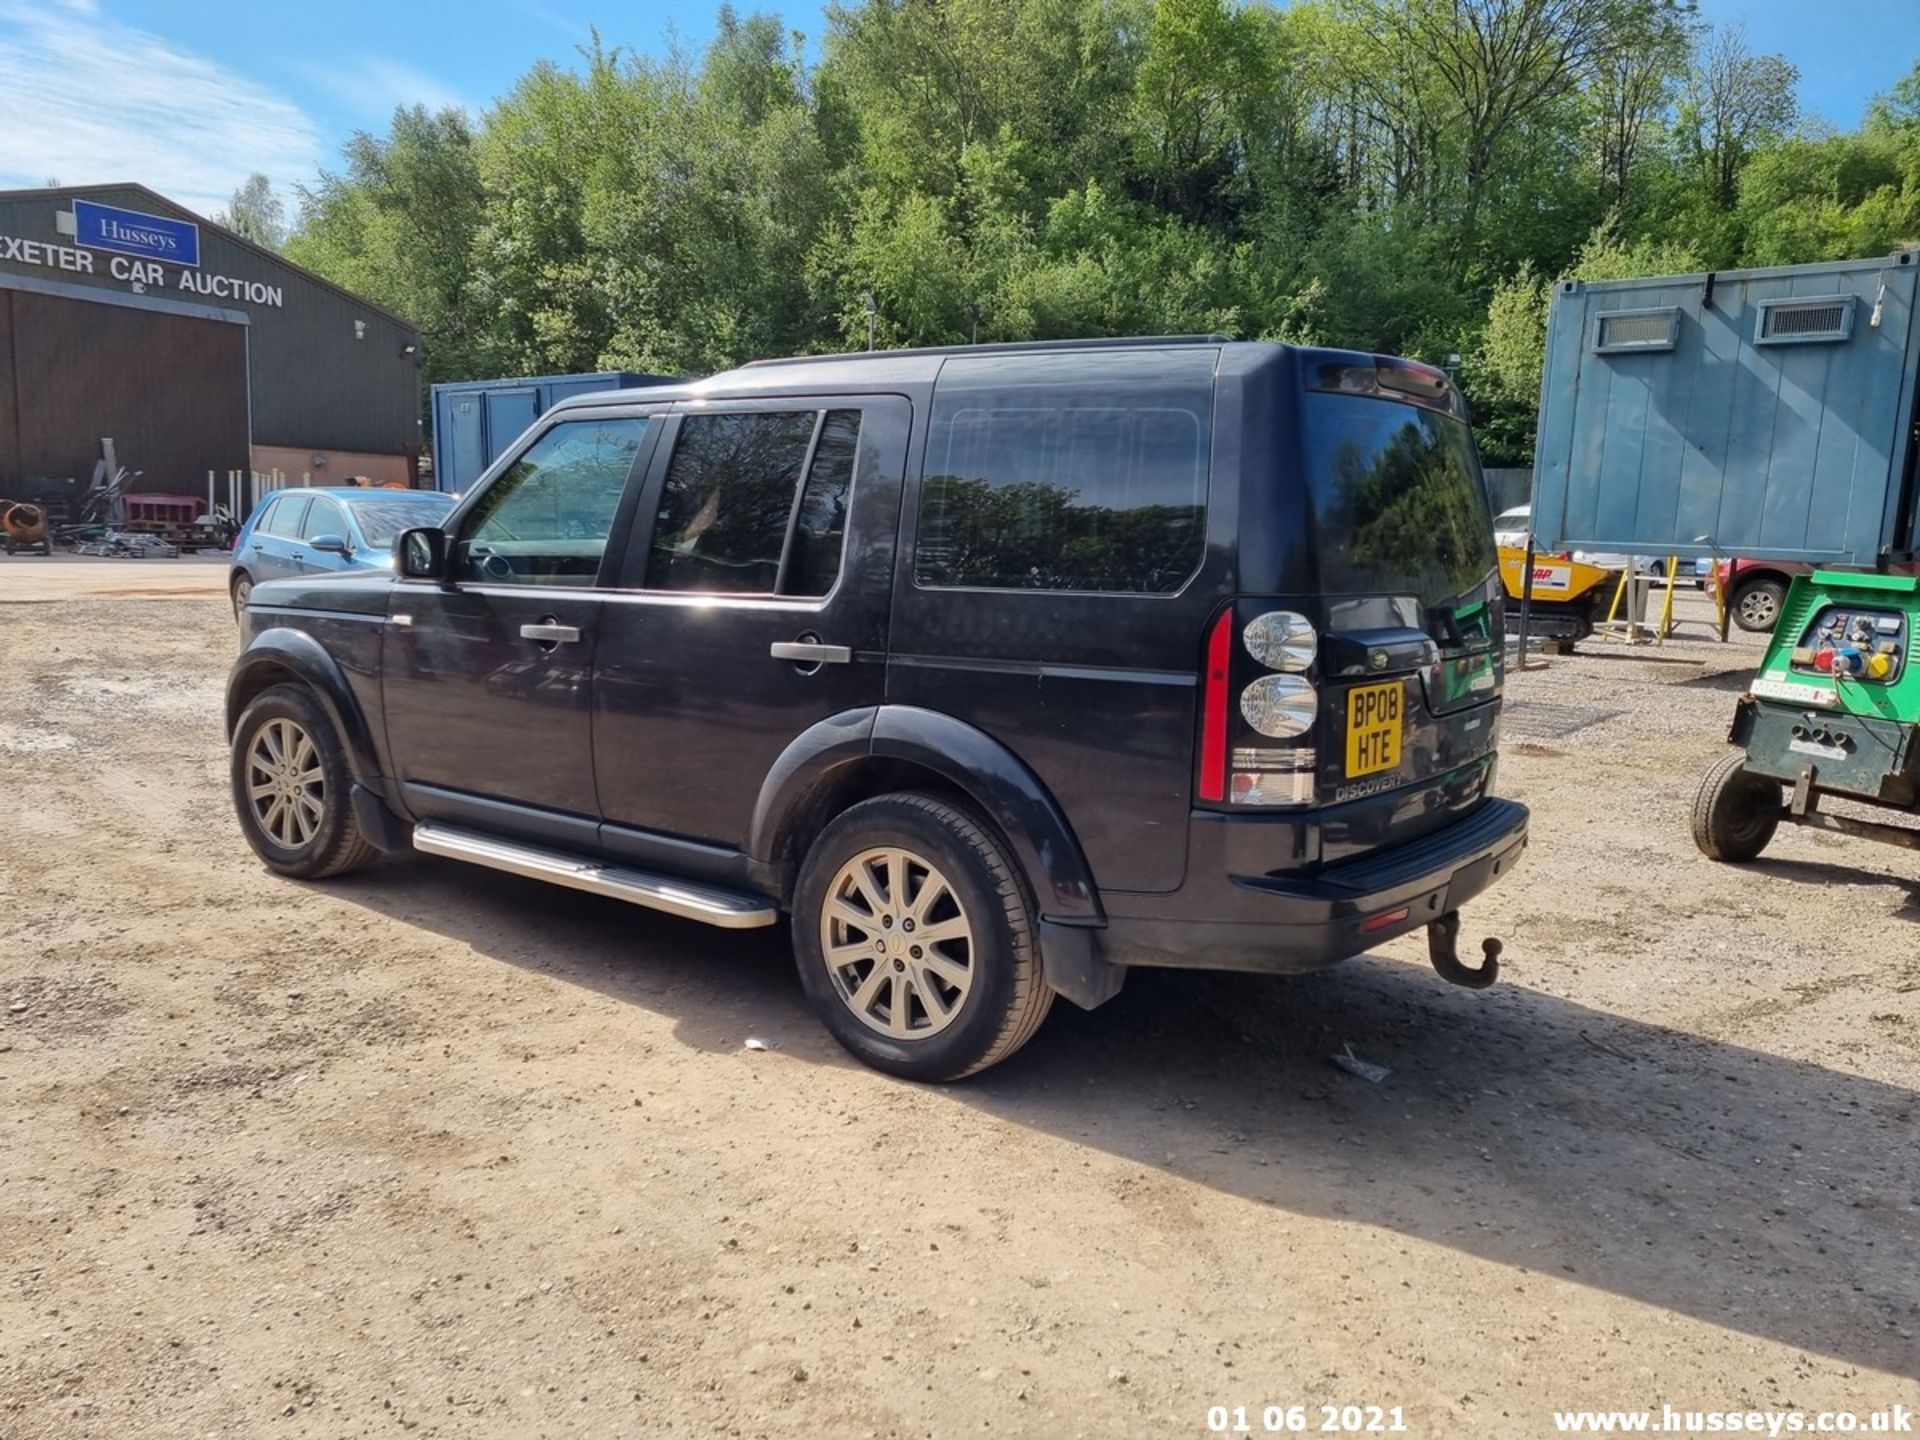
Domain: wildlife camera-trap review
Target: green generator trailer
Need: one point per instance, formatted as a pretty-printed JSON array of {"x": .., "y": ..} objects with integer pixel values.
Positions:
[{"x": 1834, "y": 711}]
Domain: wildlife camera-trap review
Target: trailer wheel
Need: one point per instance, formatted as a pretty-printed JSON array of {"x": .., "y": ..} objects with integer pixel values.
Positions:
[{"x": 1736, "y": 811}]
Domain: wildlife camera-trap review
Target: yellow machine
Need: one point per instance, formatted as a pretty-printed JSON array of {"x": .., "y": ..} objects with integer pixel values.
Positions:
[{"x": 1569, "y": 597}]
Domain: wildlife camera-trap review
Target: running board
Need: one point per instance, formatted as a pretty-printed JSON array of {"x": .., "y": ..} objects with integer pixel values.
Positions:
[{"x": 729, "y": 909}]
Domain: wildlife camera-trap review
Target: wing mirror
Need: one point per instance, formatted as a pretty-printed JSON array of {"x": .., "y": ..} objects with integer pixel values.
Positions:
[
  {"x": 330, "y": 545},
  {"x": 421, "y": 554}
]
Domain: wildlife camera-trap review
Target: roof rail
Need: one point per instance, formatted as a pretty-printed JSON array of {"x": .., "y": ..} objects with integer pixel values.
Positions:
[{"x": 1002, "y": 347}]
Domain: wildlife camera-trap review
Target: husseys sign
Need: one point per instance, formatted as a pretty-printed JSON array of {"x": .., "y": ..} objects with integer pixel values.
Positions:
[
  {"x": 131, "y": 232},
  {"x": 140, "y": 250}
]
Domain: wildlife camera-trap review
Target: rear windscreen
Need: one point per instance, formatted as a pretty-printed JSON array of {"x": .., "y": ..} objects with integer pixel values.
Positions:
[{"x": 1397, "y": 499}]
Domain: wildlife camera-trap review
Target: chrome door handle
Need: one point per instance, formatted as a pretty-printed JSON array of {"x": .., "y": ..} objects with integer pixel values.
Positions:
[
  {"x": 548, "y": 633},
  {"x": 811, "y": 652}
]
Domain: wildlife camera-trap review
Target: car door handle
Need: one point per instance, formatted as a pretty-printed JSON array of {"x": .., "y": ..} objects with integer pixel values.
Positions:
[
  {"x": 548, "y": 633},
  {"x": 811, "y": 652}
]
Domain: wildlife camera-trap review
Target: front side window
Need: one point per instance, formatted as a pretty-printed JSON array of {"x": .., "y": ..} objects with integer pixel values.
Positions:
[
  {"x": 545, "y": 521},
  {"x": 1068, "y": 472},
  {"x": 734, "y": 516},
  {"x": 324, "y": 518}
]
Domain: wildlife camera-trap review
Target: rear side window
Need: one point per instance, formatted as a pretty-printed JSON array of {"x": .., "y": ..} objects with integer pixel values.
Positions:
[
  {"x": 1077, "y": 472},
  {"x": 286, "y": 517},
  {"x": 735, "y": 517},
  {"x": 820, "y": 521}
]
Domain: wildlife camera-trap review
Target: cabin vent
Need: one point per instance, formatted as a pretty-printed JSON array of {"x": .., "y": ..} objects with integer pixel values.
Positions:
[
  {"x": 1628, "y": 330},
  {"x": 1794, "y": 322}
]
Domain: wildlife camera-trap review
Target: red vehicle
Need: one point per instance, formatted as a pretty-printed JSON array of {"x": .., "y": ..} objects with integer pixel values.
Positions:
[{"x": 1755, "y": 589}]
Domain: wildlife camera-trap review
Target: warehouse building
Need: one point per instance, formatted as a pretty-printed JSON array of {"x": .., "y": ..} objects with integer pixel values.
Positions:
[{"x": 124, "y": 316}]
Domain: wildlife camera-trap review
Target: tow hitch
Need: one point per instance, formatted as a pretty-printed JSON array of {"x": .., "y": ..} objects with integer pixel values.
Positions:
[{"x": 1443, "y": 948}]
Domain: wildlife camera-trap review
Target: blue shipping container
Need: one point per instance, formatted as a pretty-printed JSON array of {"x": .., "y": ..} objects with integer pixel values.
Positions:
[
  {"x": 1763, "y": 413},
  {"x": 477, "y": 421}
]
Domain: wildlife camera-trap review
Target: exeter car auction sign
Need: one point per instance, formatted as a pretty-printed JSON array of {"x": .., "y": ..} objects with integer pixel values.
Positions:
[{"x": 139, "y": 249}]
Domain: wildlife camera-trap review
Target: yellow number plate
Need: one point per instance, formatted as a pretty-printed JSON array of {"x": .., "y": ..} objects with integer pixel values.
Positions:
[{"x": 1374, "y": 716}]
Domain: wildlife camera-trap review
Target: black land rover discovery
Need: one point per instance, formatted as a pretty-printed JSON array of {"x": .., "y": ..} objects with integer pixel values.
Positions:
[{"x": 997, "y": 669}]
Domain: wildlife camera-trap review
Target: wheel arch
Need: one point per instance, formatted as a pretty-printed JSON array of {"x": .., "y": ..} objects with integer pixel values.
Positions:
[
  {"x": 1756, "y": 574},
  {"x": 277, "y": 657},
  {"x": 852, "y": 757}
]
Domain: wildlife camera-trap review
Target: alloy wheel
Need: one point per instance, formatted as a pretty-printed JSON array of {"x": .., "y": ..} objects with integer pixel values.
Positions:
[
  {"x": 898, "y": 943},
  {"x": 1759, "y": 608},
  {"x": 286, "y": 784}
]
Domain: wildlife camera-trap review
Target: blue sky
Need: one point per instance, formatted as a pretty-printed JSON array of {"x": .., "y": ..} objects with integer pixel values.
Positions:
[{"x": 190, "y": 96}]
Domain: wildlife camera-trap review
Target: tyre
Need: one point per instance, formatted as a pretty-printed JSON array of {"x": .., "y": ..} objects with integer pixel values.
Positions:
[
  {"x": 1657, "y": 569},
  {"x": 1756, "y": 605},
  {"x": 1736, "y": 811},
  {"x": 915, "y": 940},
  {"x": 291, "y": 787},
  {"x": 242, "y": 588}
]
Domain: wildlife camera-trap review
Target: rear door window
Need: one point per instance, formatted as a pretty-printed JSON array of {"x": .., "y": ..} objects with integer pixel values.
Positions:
[
  {"x": 285, "y": 519},
  {"x": 735, "y": 517},
  {"x": 1068, "y": 472}
]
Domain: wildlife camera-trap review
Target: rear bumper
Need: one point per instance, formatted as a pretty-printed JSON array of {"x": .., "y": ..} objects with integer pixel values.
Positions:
[{"x": 1281, "y": 923}]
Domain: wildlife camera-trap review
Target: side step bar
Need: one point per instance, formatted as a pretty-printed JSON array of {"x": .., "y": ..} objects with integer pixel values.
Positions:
[{"x": 729, "y": 909}]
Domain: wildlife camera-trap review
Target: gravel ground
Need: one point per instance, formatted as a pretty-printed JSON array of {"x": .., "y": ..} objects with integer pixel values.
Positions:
[{"x": 435, "y": 1151}]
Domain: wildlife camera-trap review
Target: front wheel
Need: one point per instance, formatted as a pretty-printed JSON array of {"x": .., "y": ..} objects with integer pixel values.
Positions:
[
  {"x": 1736, "y": 811},
  {"x": 291, "y": 788},
  {"x": 915, "y": 939}
]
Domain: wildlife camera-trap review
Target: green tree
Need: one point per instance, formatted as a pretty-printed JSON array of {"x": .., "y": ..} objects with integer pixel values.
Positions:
[
  {"x": 256, "y": 213},
  {"x": 1736, "y": 103},
  {"x": 1504, "y": 369},
  {"x": 397, "y": 225}
]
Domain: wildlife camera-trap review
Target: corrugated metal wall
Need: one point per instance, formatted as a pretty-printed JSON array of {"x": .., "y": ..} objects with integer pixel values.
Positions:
[
  {"x": 329, "y": 371},
  {"x": 70, "y": 374}
]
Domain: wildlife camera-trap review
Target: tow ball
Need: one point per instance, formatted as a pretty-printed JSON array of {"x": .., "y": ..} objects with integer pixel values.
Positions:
[{"x": 1443, "y": 949}]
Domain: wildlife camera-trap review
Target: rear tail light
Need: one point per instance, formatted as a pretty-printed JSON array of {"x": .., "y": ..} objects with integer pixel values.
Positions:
[
  {"x": 1280, "y": 707},
  {"x": 1276, "y": 702},
  {"x": 1281, "y": 640},
  {"x": 1213, "y": 709}
]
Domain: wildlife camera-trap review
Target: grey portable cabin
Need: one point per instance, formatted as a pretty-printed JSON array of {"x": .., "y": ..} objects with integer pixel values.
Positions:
[
  {"x": 474, "y": 421},
  {"x": 1763, "y": 413}
]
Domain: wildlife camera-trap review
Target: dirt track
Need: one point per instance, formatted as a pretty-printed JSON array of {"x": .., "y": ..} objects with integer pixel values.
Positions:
[{"x": 436, "y": 1151}]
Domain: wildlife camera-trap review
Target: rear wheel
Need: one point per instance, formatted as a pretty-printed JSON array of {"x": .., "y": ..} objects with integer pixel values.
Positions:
[
  {"x": 291, "y": 788},
  {"x": 242, "y": 592},
  {"x": 1756, "y": 605},
  {"x": 915, "y": 940},
  {"x": 1735, "y": 812}
]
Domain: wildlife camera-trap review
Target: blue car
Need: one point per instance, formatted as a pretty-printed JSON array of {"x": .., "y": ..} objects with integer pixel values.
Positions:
[{"x": 318, "y": 531}]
